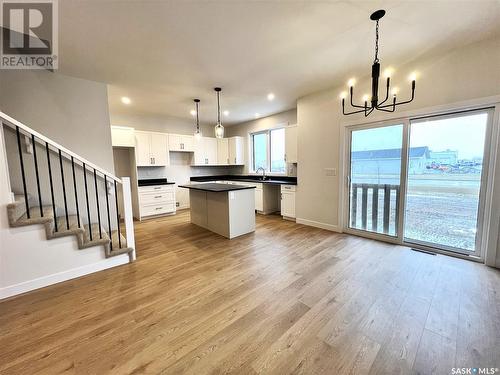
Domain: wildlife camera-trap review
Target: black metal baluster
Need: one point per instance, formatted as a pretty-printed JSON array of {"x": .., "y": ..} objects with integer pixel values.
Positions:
[
  {"x": 22, "y": 172},
  {"x": 117, "y": 218},
  {"x": 37, "y": 175},
  {"x": 51, "y": 186},
  {"x": 76, "y": 193},
  {"x": 97, "y": 201},
  {"x": 64, "y": 189},
  {"x": 107, "y": 208},
  {"x": 87, "y": 200}
]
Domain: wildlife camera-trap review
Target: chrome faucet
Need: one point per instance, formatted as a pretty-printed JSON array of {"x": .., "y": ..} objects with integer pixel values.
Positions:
[{"x": 263, "y": 172}]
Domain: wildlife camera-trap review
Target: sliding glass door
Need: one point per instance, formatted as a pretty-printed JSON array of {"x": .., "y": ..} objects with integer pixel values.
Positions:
[
  {"x": 375, "y": 179},
  {"x": 445, "y": 169},
  {"x": 421, "y": 181}
]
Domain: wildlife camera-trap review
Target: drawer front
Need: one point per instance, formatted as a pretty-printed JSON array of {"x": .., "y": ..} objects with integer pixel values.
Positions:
[
  {"x": 157, "y": 198},
  {"x": 157, "y": 209},
  {"x": 155, "y": 188},
  {"x": 285, "y": 188}
]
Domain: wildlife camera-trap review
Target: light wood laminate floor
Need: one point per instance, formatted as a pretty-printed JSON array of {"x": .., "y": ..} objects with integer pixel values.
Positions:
[{"x": 287, "y": 299}]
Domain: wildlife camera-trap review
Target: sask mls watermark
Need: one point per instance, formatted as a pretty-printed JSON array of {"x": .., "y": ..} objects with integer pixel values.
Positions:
[{"x": 29, "y": 34}]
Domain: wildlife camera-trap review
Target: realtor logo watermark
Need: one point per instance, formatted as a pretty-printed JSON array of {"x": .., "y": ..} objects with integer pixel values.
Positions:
[
  {"x": 29, "y": 34},
  {"x": 474, "y": 370}
]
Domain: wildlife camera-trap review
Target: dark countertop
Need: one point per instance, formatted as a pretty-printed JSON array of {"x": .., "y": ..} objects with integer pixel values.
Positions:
[
  {"x": 277, "y": 180},
  {"x": 154, "y": 181},
  {"x": 216, "y": 188}
]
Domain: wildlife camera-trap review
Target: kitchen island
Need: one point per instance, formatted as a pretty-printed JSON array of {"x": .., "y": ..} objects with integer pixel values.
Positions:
[{"x": 228, "y": 210}]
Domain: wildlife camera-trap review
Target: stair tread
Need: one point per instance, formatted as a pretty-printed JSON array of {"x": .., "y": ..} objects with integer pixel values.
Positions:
[
  {"x": 35, "y": 216},
  {"x": 62, "y": 228},
  {"x": 95, "y": 234}
]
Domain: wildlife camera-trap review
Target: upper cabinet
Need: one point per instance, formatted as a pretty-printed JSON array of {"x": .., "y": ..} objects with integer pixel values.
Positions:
[
  {"x": 291, "y": 144},
  {"x": 236, "y": 150},
  {"x": 122, "y": 136},
  {"x": 151, "y": 149},
  {"x": 182, "y": 143},
  {"x": 222, "y": 151},
  {"x": 205, "y": 151}
]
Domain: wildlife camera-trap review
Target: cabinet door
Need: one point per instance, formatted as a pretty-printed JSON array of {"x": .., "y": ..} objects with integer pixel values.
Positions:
[
  {"x": 143, "y": 149},
  {"x": 199, "y": 151},
  {"x": 187, "y": 143},
  {"x": 259, "y": 199},
  {"x": 222, "y": 151},
  {"x": 291, "y": 144},
  {"x": 211, "y": 150},
  {"x": 122, "y": 136},
  {"x": 159, "y": 149},
  {"x": 288, "y": 204},
  {"x": 174, "y": 142},
  {"x": 236, "y": 151}
]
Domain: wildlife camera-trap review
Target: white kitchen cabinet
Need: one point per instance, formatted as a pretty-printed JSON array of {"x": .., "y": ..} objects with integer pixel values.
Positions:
[
  {"x": 122, "y": 136},
  {"x": 205, "y": 151},
  {"x": 288, "y": 201},
  {"x": 259, "y": 199},
  {"x": 291, "y": 144},
  {"x": 182, "y": 143},
  {"x": 222, "y": 151},
  {"x": 236, "y": 150},
  {"x": 151, "y": 149},
  {"x": 156, "y": 200}
]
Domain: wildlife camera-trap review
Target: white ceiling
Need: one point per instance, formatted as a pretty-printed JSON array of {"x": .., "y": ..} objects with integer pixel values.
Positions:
[{"x": 162, "y": 54}]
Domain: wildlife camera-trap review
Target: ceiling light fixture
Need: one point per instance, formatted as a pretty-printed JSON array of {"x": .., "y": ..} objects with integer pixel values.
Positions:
[
  {"x": 374, "y": 103},
  {"x": 226, "y": 113},
  {"x": 270, "y": 96},
  {"x": 193, "y": 112},
  {"x": 197, "y": 133},
  {"x": 126, "y": 100},
  {"x": 219, "y": 129}
]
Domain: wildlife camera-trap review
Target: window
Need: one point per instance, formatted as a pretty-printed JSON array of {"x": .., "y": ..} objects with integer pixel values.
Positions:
[{"x": 268, "y": 150}]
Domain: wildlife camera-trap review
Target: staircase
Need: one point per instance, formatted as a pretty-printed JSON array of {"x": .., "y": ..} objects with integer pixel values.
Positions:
[
  {"x": 64, "y": 192},
  {"x": 86, "y": 235}
]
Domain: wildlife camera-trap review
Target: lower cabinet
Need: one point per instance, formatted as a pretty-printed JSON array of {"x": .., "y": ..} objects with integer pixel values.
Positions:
[
  {"x": 288, "y": 201},
  {"x": 156, "y": 200}
]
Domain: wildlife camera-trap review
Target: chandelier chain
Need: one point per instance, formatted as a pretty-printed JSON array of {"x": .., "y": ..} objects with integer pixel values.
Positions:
[{"x": 376, "y": 44}]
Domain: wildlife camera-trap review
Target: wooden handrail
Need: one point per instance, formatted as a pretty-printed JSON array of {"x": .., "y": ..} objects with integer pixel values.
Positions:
[{"x": 13, "y": 123}]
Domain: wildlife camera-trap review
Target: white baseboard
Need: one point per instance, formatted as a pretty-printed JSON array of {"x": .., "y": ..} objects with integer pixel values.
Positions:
[
  {"x": 317, "y": 224},
  {"x": 26, "y": 286}
]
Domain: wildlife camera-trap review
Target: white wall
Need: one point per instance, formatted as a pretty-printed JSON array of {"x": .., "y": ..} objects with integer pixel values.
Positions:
[
  {"x": 244, "y": 129},
  {"x": 180, "y": 169},
  {"x": 71, "y": 111},
  {"x": 467, "y": 73}
]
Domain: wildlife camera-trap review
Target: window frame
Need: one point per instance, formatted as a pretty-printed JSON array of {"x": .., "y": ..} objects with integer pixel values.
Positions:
[{"x": 267, "y": 132}]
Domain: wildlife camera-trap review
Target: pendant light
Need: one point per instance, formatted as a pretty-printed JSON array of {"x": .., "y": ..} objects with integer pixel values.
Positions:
[
  {"x": 197, "y": 133},
  {"x": 372, "y": 103},
  {"x": 219, "y": 129}
]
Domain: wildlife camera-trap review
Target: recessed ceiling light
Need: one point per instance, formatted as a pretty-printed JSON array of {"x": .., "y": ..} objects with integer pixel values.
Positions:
[
  {"x": 257, "y": 115},
  {"x": 126, "y": 100},
  {"x": 270, "y": 96},
  {"x": 226, "y": 113},
  {"x": 192, "y": 112}
]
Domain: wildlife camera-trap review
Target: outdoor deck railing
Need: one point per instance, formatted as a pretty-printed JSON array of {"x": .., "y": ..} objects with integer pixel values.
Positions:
[{"x": 364, "y": 190}]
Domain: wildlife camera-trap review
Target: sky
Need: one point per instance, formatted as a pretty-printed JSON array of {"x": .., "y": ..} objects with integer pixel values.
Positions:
[{"x": 465, "y": 134}]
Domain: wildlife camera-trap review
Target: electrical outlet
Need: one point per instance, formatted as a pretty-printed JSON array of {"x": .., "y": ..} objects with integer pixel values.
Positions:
[{"x": 330, "y": 172}]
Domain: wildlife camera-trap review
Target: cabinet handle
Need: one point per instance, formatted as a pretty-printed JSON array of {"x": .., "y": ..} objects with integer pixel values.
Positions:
[
  {"x": 285, "y": 157},
  {"x": 158, "y": 208},
  {"x": 158, "y": 196},
  {"x": 227, "y": 160},
  {"x": 182, "y": 146},
  {"x": 158, "y": 187},
  {"x": 234, "y": 160}
]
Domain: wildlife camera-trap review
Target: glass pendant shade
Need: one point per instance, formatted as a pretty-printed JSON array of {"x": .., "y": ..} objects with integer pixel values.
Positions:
[
  {"x": 197, "y": 133},
  {"x": 219, "y": 131}
]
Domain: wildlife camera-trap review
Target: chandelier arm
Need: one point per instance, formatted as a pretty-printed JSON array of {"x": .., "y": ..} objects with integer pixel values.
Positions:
[
  {"x": 386, "y": 110},
  {"x": 351, "y": 113},
  {"x": 355, "y": 105},
  {"x": 400, "y": 103},
  {"x": 370, "y": 111},
  {"x": 387, "y": 92}
]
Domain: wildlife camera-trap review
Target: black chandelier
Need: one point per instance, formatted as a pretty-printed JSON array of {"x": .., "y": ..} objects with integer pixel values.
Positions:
[{"x": 374, "y": 102}]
